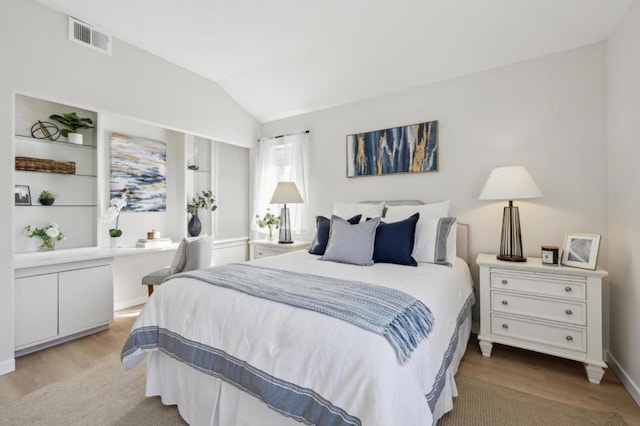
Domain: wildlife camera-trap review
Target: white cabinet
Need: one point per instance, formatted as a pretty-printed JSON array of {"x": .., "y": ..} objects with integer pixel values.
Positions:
[
  {"x": 59, "y": 302},
  {"x": 551, "y": 309},
  {"x": 266, "y": 248}
]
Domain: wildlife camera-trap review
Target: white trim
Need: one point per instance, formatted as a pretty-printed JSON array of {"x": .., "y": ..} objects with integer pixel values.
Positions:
[
  {"x": 7, "y": 366},
  {"x": 627, "y": 381},
  {"x": 130, "y": 302},
  {"x": 229, "y": 242}
]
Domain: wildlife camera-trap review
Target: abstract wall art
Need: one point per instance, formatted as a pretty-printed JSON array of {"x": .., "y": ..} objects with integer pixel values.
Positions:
[
  {"x": 138, "y": 166},
  {"x": 404, "y": 149}
]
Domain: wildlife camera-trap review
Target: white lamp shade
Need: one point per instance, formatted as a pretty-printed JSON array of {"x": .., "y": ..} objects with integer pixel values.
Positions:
[
  {"x": 286, "y": 193},
  {"x": 510, "y": 183}
]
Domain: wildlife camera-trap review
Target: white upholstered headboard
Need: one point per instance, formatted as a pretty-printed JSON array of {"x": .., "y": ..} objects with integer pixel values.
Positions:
[{"x": 462, "y": 232}]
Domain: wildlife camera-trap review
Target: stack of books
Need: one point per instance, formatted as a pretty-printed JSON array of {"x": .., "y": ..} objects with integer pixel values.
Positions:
[{"x": 154, "y": 243}]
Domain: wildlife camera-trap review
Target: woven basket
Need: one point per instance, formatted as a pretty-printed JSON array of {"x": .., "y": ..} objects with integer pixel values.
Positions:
[{"x": 45, "y": 166}]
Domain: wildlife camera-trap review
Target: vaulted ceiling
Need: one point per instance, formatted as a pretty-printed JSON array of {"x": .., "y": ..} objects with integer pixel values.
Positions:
[{"x": 280, "y": 58}]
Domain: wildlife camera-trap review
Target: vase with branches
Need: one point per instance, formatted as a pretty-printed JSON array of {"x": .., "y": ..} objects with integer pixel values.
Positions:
[{"x": 202, "y": 201}]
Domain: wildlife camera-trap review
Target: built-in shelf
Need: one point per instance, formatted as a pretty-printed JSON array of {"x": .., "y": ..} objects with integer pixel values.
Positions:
[
  {"x": 57, "y": 174},
  {"x": 62, "y": 205},
  {"x": 200, "y": 171},
  {"x": 57, "y": 143}
]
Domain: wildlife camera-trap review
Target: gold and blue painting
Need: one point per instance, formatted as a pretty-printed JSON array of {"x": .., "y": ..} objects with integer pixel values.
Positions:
[
  {"x": 405, "y": 149},
  {"x": 139, "y": 168}
]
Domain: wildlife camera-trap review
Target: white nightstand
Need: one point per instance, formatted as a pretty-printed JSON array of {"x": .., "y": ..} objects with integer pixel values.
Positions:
[
  {"x": 556, "y": 310},
  {"x": 265, "y": 248}
]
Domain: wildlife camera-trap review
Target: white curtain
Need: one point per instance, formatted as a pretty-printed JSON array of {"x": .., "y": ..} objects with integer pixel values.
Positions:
[{"x": 284, "y": 158}]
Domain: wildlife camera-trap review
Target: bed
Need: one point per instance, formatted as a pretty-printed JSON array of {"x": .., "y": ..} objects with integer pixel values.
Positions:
[{"x": 229, "y": 358}]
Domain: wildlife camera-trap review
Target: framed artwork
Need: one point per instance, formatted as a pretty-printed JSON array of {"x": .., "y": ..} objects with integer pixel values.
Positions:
[
  {"x": 581, "y": 250},
  {"x": 139, "y": 166},
  {"x": 404, "y": 149},
  {"x": 22, "y": 195}
]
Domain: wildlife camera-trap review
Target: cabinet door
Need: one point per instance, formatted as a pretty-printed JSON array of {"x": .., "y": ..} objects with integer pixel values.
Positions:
[
  {"x": 86, "y": 299},
  {"x": 36, "y": 309}
]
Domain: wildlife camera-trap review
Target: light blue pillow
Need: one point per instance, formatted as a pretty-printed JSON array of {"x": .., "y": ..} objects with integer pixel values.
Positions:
[{"x": 351, "y": 243}]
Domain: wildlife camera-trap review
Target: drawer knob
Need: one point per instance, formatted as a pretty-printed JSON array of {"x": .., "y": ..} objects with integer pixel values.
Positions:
[
  {"x": 569, "y": 338},
  {"x": 568, "y": 312},
  {"x": 504, "y": 302},
  {"x": 568, "y": 289},
  {"x": 504, "y": 281},
  {"x": 505, "y": 325}
]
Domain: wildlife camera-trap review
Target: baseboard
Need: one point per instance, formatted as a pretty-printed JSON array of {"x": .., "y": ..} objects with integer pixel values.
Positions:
[
  {"x": 129, "y": 303},
  {"x": 627, "y": 382},
  {"x": 7, "y": 366}
]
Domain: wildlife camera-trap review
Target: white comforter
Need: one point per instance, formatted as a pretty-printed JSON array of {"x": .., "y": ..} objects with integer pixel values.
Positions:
[{"x": 354, "y": 369}]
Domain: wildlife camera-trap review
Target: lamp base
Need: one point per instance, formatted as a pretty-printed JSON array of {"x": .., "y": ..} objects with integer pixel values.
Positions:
[
  {"x": 285, "y": 242},
  {"x": 285, "y": 227},
  {"x": 511, "y": 258}
]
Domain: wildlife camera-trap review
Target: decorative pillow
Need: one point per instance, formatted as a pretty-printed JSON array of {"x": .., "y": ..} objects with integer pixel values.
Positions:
[
  {"x": 363, "y": 209},
  {"x": 437, "y": 244},
  {"x": 319, "y": 244},
  {"x": 394, "y": 242},
  {"x": 351, "y": 243},
  {"x": 180, "y": 258},
  {"x": 426, "y": 230}
]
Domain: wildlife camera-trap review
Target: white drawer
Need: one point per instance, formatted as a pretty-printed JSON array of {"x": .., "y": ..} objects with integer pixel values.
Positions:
[
  {"x": 572, "y": 338},
  {"x": 530, "y": 283},
  {"x": 265, "y": 252},
  {"x": 567, "y": 311}
]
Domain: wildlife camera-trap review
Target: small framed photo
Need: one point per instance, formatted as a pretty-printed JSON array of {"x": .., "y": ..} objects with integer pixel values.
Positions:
[
  {"x": 549, "y": 255},
  {"x": 581, "y": 250},
  {"x": 22, "y": 195}
]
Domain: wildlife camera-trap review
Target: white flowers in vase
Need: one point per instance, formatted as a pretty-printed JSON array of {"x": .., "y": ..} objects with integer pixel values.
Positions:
[
  {"x": 113, "y": 213},
  {"x": 49, "y": 235}
]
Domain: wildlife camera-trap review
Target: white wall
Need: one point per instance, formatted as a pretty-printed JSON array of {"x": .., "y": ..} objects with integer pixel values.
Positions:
[
  {"x": 39, "y": 60},
  {"x": 623, "y": 112},
  {"x": 547, "y": 114}
]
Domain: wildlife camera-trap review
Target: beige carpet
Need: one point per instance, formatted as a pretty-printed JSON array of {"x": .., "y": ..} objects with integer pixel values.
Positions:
[{"x": 107, "y": 395}]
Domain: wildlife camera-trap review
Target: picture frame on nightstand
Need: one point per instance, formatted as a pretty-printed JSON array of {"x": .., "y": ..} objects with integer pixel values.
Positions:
[{"x": 581, "y": 250}]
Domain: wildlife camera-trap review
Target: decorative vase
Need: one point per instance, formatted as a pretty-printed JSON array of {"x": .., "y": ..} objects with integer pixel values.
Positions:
[
  {"x": 114, "y": 242},
  {"x": 47, "y": 245},
  {"x": 75, "y": 138},
  {"x": 270, "y": 237},
  {"x": 194, "y": 226},
  {"x": 47, "y": 201}
]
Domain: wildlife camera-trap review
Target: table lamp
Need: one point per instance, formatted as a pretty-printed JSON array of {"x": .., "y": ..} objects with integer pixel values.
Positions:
[
  {"x": 510, "y": 183},
  {"x": 286, "y": 192}
]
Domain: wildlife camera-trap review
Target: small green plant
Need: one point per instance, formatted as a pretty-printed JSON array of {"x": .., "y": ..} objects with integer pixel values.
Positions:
[
  {"x": 46, "y": 195},
  {"x": 200, "y": 202},
  {"x": 73, "y": 122}
]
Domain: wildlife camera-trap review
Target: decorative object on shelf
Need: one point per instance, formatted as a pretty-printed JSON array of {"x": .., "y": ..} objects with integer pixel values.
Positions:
[
  {"x": 49, "y": 235},
  {"x": 22, "y": 195},
  {"x": 113, "y": 213},
  {"x": 269, "y": 221},
  {"x": 404, "y": 149},
  {"x": 139, "y": 165},
  {"x": 286, "y": 192},
  {"x": 193, "y": 161},
  {"x": 45, "y": 130},
  {"x": 510, "y": 183},
  {"x": 153, "y": 235},
  {"x": 73, "y": 123},
  {"x": 207, "y": 201},
  {"x": 581, "y": 250},
  {"x": 46, "y": 198},
  {"x": 153, "y": 243},
  {"x": 550, "y": 255},
  {"x": 45, "y": 166}
]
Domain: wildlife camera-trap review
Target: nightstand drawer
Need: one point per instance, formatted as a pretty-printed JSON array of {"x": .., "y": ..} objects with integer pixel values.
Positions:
[
  {"x": 539, "y": 332},
  {"x": 531, "y": 283},
  {"x": 567, "y": 311},
  {"x": 266, "y": 252}
]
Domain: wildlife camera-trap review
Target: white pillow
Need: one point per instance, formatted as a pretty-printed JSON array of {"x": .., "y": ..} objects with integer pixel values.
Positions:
[
  {"x": 429, "y": 231},
  {"x": 364, "y": 209}
]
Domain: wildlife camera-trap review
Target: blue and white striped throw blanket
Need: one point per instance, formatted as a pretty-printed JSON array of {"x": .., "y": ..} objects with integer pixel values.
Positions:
[{"x": 402, "y": 319}]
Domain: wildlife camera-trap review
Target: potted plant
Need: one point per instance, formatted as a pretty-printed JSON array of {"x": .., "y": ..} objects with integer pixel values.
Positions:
[
  {"x": 113, "y": 213},
  {"x": 49, "y": 235},
  {"x": 199, "y": 202},
  {"x": 74, "y": 123},
  {"x": 46, "y": 198}
]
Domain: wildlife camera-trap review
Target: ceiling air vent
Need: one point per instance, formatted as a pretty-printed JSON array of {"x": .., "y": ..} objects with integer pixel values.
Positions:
[{"x": 85, "y": 34}]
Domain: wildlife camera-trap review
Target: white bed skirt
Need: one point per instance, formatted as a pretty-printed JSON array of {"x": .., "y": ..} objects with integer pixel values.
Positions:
[{"x": 207, "y": 400}]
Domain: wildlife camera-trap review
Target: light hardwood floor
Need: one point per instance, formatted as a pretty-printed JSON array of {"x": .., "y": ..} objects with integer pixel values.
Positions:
[{"x": 541, "y": 375}]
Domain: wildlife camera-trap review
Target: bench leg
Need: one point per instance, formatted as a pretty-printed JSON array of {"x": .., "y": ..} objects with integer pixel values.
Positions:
[{"x": 150, "y": 289}]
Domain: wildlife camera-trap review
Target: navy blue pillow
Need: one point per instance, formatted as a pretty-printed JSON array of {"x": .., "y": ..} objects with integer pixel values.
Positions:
[
  {"x": 394, "y": 242},
  {"x": 323, "y": 226}
]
